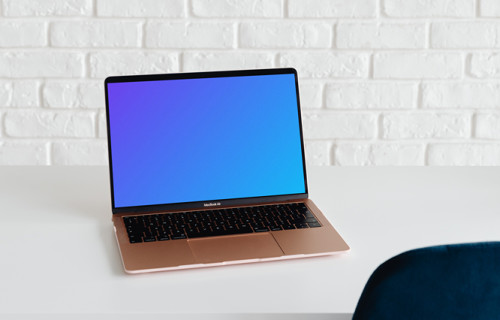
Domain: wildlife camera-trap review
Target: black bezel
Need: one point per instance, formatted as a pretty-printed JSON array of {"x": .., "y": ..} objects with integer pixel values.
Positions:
[{"x": 200, "y": 204}]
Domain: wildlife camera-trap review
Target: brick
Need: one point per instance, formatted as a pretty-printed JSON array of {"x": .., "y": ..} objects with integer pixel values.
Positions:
[
  {"x": 24, "y": 8},
  {"x": 102, "y": 129},
  {"x": 464, "y": 154},
  {"x": 23, "y": 34},
  {"x": 380, "y": 154},
  {"x": 429, "y": 8},
  {"x": 317, "y": 153},
  {"x": 141, "y": 8},
  {"x": 65, "y": 94},
  {"x": 352, "y": 155},
  {"x": 376, "y": 35},
  {"x": 37, "y": 124},
  {"x": 104, "y": 64},
  {"x": 332, "y": 8},
  {"x": 226, "y": 60},
  {"x": 461, "y": 94},
  {"x": 190, "y": 35},
  {"x": 327, "y": 64},
  {"x": 80, "y": 153},
  {"x": 485, "y": 65},
  {"x": 425, "y": 125},
  {"x": 465, "y": 35},
  {"x": 311, "y": 95},
  {"x": 25, "y": 94},
  {"x": 20, "y": 64},
  {"x": 238, "y": 9},
  {"x": 487, "y": 125},
  {"x": 398, "y": 154},
  {"x": 338, "y": 125},
  {"x": 489, "y": 8},
  {"x": 371, "y": 95},
  {"x": 94, "y": 33},
  {"x": 412, "y": 65},
  {"x": 19, "y": 93},
  {"x": 6, "y": 91},
  {"x": 23, "y": 153},
  {"x": 285, "y": 35}
]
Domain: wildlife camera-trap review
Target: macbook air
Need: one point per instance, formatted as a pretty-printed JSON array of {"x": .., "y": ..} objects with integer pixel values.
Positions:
[{"x": 208, "y": 169}]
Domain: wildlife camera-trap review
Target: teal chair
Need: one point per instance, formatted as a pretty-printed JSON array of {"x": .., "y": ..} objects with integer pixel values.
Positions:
[{"x": 460, "y": 281}]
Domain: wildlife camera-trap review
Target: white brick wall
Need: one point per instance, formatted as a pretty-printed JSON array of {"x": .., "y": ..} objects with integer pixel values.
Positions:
[
  {"x": 277, "y": 34},
  {"x": 84, "y": 152},
  {"x": 34, "y": 8},
  {"x": 49, "y": 124},
  {"x": 381, "y": 154},
  {"x": 338, "y": 125},
  {"x": 179, "y": 35},
  {"x": 19, "y": 93},
  {"x": 24, "y": 152},
  {"x": 105, "y": 63},
  {"x": 326, "y": 64},
  {"x": 429, "y": 8},
  {"x": 41, "y": 64},
  {"x": 382, "y": 82},
  {"x": 358, "y": 35},
  {"x": 375, "y": 95},
  {"x": 141, "y": 8},
  {"x": 490, "y": 8},
  {"x": 102, "y": 34},
  {"x": 461, "y": 95},
  {"x": 332, "y": 8},
  {"x": 70, "y": 94},
  {"x": 238, "y": 9},
  {"x": 487, "y": 126},
  {"x": 226, "y": 60},
  {"x": 460, "y": 154},
  {"x": 23, "y": 33},
  {"x": 465, "y": 35},
  {"x": 485, "y": 65},
  {"x": 418, "y": 65},
  {"x": 399, "y": 126}
]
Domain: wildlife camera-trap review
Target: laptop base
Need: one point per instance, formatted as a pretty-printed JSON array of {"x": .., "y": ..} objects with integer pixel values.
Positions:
[{"x": 230, "y": 249}]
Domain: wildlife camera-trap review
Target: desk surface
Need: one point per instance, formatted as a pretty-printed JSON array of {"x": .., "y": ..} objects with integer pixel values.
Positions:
[{"x": 58, "y": 252}]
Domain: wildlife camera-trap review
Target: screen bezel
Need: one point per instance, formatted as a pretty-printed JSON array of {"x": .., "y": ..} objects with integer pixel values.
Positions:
[{"x": 200, "y": 204}]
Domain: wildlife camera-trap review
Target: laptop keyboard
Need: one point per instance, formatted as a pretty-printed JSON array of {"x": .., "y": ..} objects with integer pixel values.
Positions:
[{"x": 210, "y": 223}]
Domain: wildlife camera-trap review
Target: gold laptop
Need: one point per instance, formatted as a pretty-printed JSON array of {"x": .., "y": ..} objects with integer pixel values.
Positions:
[{"x": 208, "y": 169}]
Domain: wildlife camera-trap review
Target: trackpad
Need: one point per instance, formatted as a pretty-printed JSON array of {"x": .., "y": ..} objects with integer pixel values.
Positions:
[{"x": 230, "y": 248}]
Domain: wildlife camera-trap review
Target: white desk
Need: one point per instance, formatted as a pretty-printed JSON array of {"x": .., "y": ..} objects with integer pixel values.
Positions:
[{"x": 58, "y": 253}]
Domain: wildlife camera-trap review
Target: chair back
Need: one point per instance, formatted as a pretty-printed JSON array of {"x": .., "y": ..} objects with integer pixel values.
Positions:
[{"x": 460, "y": 281}]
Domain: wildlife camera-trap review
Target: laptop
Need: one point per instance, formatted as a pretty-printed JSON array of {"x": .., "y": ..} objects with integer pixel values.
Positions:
[{"x": 208, "y": 169}]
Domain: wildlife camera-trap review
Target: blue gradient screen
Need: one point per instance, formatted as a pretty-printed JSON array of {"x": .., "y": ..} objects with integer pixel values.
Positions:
[{"x": 205, "y": 139}]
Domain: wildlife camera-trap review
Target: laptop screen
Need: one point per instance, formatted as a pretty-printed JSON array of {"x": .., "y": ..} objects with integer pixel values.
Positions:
[{"x": 204, "y": 139}]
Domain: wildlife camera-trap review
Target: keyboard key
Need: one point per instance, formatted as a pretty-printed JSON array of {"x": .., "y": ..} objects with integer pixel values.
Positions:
[
  {"x": 197, "y": 235},
  {"x": 134, "y": 239},
  {"x": 313, "y": 224},
  {"x": 308, "y": 214},
  {"x": 178, "y": 236}
]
